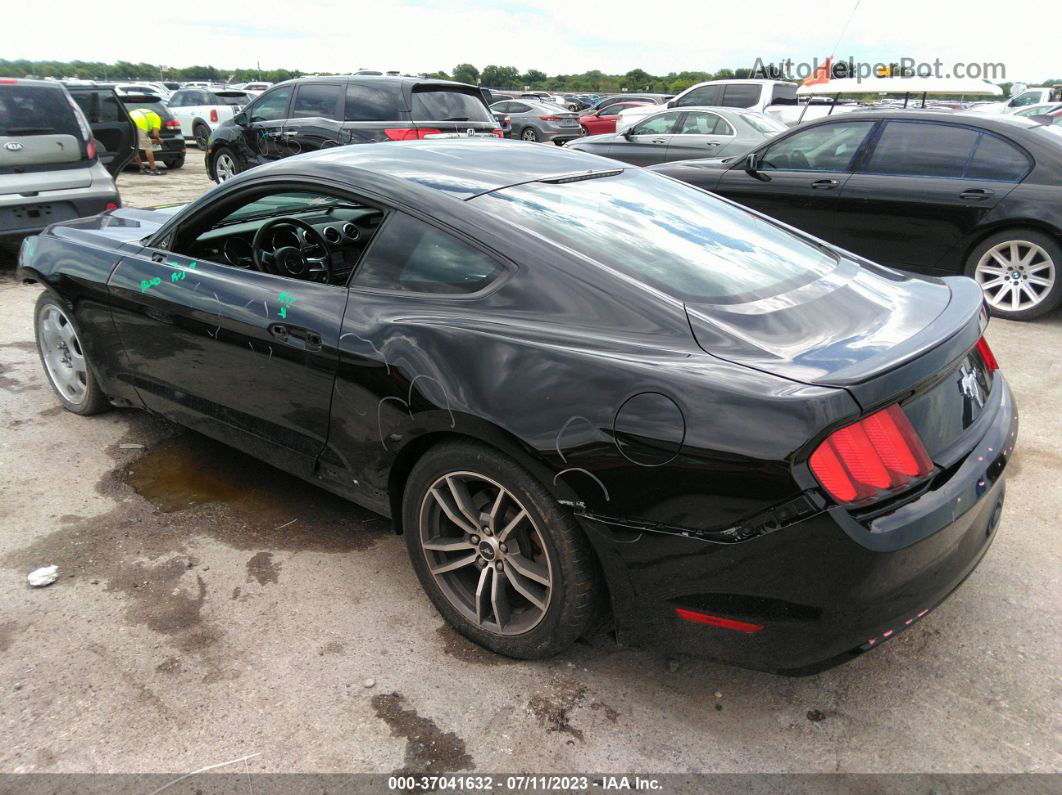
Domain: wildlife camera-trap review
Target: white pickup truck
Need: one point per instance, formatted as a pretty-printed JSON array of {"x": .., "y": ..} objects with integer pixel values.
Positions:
[
  {"x": 1037, "y": 95},
  {"x": 775, "y": 98}
]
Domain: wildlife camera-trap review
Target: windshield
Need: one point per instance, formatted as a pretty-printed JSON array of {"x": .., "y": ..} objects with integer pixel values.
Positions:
[{"x": 674, "y": 237}]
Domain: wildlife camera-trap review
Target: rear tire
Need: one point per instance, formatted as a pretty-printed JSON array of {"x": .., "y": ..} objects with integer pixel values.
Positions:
[
  {"x": 526, "y": 556},
  {"x": 174, "y": 163},
  {"x": 201, "y": 133},
  {"x": 65, "y": 362},
  {"x": 529, "y": 134},
  {"x": 583, "y": 130},
  {"x": 1020, "y": 271}
]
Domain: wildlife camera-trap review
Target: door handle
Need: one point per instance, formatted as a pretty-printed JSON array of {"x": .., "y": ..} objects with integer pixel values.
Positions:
[
  {"x": 310, "y": 339},
  {"x": 825, "y": 184},
  {"x": 291, "y": 133},
  {"x": 659, "y": 141},
  {"x": 976, "y": 194}
]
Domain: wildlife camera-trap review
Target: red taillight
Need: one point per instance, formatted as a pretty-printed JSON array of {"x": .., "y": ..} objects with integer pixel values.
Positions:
[
  {"x": 987, "y": 355},
  {"x": 698, "y": 617},
  {"x": 497, "y": 132},
  {"x": 172, "y": 124},
  {"x": 549, "y": 118},
  {"x": 112, "y": 205},
  {"x": 90, "y": 149},
  {"x": 880, "y": 453},
  {"x": 213, "y": 114},
  {"x": 409, "y": 133}
]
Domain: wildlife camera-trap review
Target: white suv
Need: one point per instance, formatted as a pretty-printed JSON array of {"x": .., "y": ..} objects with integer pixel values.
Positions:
[{"x": 201, "y": 110}]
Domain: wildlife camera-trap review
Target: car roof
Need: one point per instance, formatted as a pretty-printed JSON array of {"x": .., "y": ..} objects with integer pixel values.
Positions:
[
  {"x": 394, "y": 80},
  {"x": 459, "y": 168},
  {"x": 1001, "y": 123}
]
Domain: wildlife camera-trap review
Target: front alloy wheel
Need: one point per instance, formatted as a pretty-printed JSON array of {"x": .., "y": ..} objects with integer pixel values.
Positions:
[
  {"x": 225, "y": 167},
  {"x": 65, "y": 361}
]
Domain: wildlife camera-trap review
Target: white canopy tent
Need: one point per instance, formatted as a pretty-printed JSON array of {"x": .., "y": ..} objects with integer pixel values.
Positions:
[{"x": 907, "y": 86}]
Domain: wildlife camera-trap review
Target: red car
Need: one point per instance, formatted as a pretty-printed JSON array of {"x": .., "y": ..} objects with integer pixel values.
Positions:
[{"x": 594, "y": 124}]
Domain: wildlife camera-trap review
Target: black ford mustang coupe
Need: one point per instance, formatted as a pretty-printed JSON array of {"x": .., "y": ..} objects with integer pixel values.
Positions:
[{"x": 571, "y": 385}]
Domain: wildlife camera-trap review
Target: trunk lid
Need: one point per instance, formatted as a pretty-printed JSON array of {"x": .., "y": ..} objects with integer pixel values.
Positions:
[{"x": 878, "y": 333}]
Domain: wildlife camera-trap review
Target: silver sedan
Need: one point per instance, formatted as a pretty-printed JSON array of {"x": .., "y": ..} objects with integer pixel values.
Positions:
[
  {"x": 539, "y": 121},
  {"x": 684, "y": 134}
]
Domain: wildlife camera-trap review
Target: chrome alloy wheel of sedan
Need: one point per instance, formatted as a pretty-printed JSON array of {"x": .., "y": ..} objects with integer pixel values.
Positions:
[
  {"x": 63, "y": 357},
  {"x": 486, "y": 553},
  {"x": 1015, "y": 274}
]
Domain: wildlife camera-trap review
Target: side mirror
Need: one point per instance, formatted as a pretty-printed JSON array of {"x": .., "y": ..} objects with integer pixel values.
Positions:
[
  {"x": 752, "y": 163},
  {"x": 670, "y": 103},
  {"x": 241, "y": 119},
  {"x": 628, "y": 133}
]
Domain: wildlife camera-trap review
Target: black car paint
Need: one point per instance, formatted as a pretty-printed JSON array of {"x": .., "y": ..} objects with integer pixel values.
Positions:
[
  {"x": 173, "y": 146},
  {"x": 925, "y": 224},
  {"x": 687, "y": 471},
  {"x": 116, "y": 138},
  {"x": 256, "y": 143}
]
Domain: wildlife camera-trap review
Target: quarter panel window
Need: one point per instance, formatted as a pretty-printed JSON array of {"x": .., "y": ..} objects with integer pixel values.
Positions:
[
  {"x": 994, "y": 158},
  {"x": 700, "y": 123},
  {"x": 828, "y": 147},
  {"x": 922, "y": 149},
  {"x": 416, "y": 257},
  {"x": 373, "y": 103}
]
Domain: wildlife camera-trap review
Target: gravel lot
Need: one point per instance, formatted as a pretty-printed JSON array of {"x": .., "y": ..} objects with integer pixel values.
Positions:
[{"x": 210, "y": 608}]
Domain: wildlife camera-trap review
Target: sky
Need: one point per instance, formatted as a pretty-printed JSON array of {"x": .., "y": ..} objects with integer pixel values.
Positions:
[{"x": 555, "y": 36}]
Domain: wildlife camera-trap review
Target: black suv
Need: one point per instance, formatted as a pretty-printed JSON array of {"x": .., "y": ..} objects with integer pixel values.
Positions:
[{"x": 313, "y": 113}]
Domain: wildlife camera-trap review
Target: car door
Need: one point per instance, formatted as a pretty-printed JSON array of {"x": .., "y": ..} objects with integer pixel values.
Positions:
[
  {"x": 245, "y": 356},
  {"x": 262, "y": 134},
  {"x": 922, "y": 188},
  {"x": 646, "y": 143},
  {"x": 700, "y": 134},
  {"x": 519, "y": 116},
  {"x": 183, "y": 105},
  {"x": 315, "y": 118},
  {"x": 798, "y": 178},
  {"x": 113, "y": 130}
]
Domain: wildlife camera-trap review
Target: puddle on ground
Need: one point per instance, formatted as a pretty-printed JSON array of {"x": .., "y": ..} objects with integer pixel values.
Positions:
[{"x": 190, "y": 471}]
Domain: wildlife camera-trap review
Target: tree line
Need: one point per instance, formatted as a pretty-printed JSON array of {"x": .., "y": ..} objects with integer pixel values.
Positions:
[{"x": 491, "y": 76}]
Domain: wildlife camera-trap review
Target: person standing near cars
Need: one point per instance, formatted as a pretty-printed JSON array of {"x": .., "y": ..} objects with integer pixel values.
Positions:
[{"x": 148, "y": 125}]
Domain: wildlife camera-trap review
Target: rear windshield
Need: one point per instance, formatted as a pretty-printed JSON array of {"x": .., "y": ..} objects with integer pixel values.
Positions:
[
  {"x": 676, "y": 238},
  {"x": 36, "y": 110},
  {"x": 449, "y": 105},
  {"x": 232, "y": 98}
]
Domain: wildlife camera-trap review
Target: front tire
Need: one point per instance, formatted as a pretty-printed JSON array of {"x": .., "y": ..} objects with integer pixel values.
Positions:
[
  {"x": 499, "y": 558},
  {"x": 529, "y": 134},
  {"x": 64, "y": 360},
  {"x": 174, "y": 163},
  {"x": 225, "y": 165},
  {"x": 1019, "y": 271}
]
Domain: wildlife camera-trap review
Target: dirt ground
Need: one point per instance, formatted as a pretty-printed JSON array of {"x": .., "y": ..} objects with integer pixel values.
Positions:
[{"x": 210, "y": 608}]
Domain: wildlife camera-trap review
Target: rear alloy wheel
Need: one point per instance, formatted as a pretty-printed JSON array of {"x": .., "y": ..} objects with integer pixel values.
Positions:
[
  {"x": 201, "y": 133},
  {"x": 529, "y": 134},
  {"x": 65, "y": 361},
  {"x": 1019, "y": 273},
  {"x": 225, "y": 166},
  {"x": 496, "y": 554}
]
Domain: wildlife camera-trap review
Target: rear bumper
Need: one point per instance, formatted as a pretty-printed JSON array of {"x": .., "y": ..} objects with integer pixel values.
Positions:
[
  {"x": 824, "y": 590},
  {"x": 21, "y": 216}
]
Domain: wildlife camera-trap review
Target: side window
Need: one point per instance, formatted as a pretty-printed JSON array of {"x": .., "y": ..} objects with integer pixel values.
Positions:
[
  {"x": 366, "y": 102},
  {"x": 705, "y": 95},
  {"x": 196, "y": 98},
  {"x": 784, "y": 94},
  {"x": 501, "y": 107},
  {"x": 827, "y": 147},
  {"x": 922, "y": 149},
  {"x": 110, "y": 109},
  {"x": 1026, "y": 98},
  {"x": 317, "y": 100},
  {"x": 272, "y": 106},
  {"x": 701, "y": 123},
  {"x": 994, "y": 158},
  {"x": 519, "y": 107},
  {"x": 741, "y": 96},
  {"x": 177, "y": 100},
  {"x": 412, "y": 256},
  {"x": 657, "y": 125}
]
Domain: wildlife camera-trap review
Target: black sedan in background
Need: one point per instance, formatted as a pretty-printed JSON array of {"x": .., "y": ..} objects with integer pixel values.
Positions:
[
  {"x": 968, "y": 193},
  {"x": 570, "y": 384}
]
